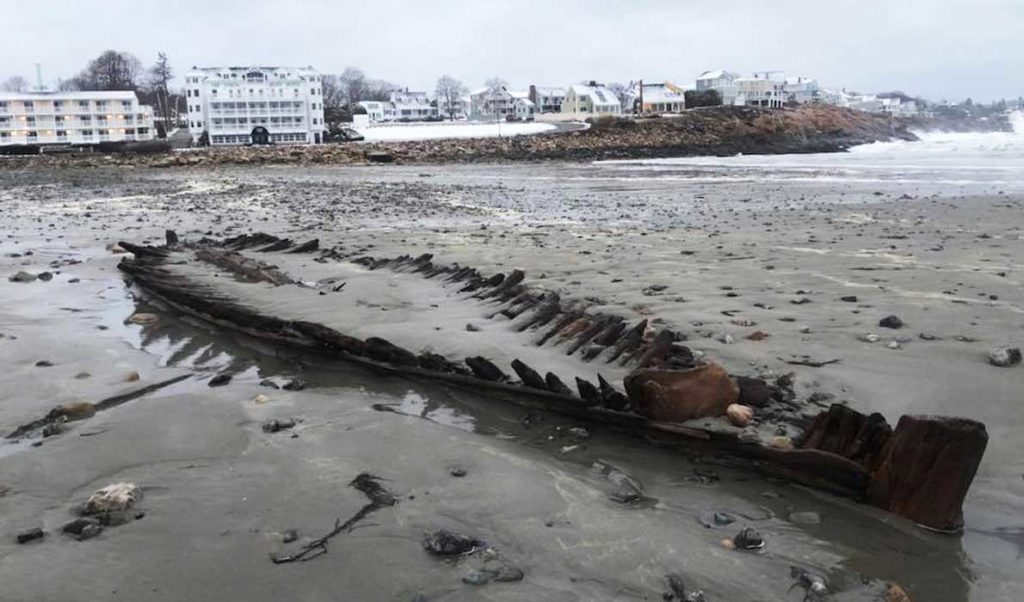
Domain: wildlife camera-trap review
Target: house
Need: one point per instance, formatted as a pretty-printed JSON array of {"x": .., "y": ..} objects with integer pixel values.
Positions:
[
  {"x": 246, "y": 105},
  {"x": 591, "y": 100},
  {"x": 665, "y": 97},
  {"x": 764, "y": 89},
  {"x": 412, "y": 106},
  {"x": 801, "y": 90},
  {"x": 491, "y": 103},
  {"x": 378, "y": 110},
  {"x": 45, "y": 118},
  {"x": 523, "y": 108},
  {"x": 547, "y": 99},
  {"x": 899, "y": 106},
  {"x": 723, "y": 82}
]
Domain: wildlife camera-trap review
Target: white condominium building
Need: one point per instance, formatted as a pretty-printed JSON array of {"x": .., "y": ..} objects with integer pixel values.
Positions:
[
  {"x": 73, "y": 118},
  {"x": 255, "y": 105}
]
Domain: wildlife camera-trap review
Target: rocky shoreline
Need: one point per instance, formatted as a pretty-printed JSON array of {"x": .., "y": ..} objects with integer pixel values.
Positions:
[{"x": 719, "y": 131}]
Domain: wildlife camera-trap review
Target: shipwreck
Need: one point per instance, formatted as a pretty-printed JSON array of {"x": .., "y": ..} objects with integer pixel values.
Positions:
[{"x": 527, "y": 345}]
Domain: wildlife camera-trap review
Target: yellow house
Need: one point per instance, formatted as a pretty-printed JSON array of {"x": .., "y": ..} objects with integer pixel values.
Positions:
[{"x": 591, "y": 100}]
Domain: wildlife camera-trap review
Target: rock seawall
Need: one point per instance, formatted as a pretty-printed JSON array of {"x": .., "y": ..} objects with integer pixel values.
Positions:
[{"x": 718, "y": 131}]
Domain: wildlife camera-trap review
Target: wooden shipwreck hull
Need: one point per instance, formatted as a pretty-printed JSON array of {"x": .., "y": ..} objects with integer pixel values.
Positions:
[{"x": 411, "y": 316}]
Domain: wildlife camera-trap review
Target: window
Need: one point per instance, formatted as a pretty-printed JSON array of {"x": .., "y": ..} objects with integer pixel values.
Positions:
[
  {"x": 196, "y": 92},
  {"x": 31, "y": 121},
  {"x": 62, "y": 134},
  {"x": 33, "y": 134},
  {"x": 29, "y": 107},
  {"x": 188, "y": 93},
  {"x": 87, "y": 133},
  {"x": 83, "y": 104}
]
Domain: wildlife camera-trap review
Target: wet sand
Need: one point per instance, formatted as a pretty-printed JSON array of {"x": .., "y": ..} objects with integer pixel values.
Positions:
[{"x": 220, "y": 492}]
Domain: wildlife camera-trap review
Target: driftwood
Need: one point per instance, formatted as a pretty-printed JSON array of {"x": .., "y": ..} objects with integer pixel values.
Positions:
[
  {"x": 60, "y": 412},
  {"x": 843, "y": 453},
  {"x": 379, "y": 498}
]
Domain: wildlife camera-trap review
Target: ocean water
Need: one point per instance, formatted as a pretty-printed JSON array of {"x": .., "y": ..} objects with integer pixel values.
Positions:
[{"x": 967, "y": 163}]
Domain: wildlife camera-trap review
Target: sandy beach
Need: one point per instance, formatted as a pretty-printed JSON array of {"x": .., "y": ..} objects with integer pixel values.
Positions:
[{"x": 773, "y": 247}]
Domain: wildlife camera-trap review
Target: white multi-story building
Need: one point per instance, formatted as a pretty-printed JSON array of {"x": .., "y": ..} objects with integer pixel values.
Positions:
[
  {"x": 488, "y": 103},
  {"x": 801, "y": 90},
  {"x": 255, "y": 105},
  {"x": 30, "y": 118},
  {"x": 723, "y": 82},
  {"x": 765, "y": 89}
]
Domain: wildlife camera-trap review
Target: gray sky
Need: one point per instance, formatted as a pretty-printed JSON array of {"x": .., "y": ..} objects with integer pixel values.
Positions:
[{"x": 936, "y": 48}]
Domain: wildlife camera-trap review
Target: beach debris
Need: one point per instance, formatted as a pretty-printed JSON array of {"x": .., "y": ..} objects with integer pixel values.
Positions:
[
  {"x": 758, "y": 335},
  {"x": 131, "y": 376},
  {"x": 805, "y": 518},
  {"x": 275, "y": 425},
  {"x": 869, "y": 338},
  {"x": 78, "y": 410},
  {"x": 895, "y": 593},
  {"x": 814, "y": 586},
  {"x": 893, "y": 322},
  {"x": 446, "y": 543},
  {"x": 295, "y": 384},
  {"x": 30, "y": 535},
  {"x": 754, "y": 392},
  {"x": 739, "y": 415},
  {"x": 748, "y": 539},
  {"x": 717, "y": 520},
  {"x": 116, "y": 497},
  {"x": 22, "y": 277},
  {"x": 1004, "y": 357},
  {"x": 45, "y": 276},
  {"x": 44, "y": 364},
  {"x": 379, "y": 498},
  {"x": 83, "y": 528},
  {"x": 781, "y": 442},
  {"x": 143, "y": 319},
  {"x": 260, "y": 399},
  {"x": 457, "y": 471},
  {"x": 849, "y": 299},
  {"x": 495, "y": 570},
  {"x": 680, "y": 395},
  {"x": 677, "y": 590},
  {"x": 220, "y": 380},
  {"x": 806, "y": 360}
]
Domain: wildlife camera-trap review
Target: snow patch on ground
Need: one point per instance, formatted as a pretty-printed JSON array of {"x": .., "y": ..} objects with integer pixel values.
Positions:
[{"x": 436, "y": 131}]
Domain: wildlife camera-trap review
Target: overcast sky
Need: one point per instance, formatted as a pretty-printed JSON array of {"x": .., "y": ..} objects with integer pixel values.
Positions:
[{"x": 941, "y": 49}]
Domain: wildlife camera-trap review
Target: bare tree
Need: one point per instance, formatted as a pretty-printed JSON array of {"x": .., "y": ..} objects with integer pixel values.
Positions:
[
  {"x": 379, "y": 89},
  {"x": 334, "y": 101},
  {"x": 15, "y": 83},
  {"x": 160, "y": 75},
  {"x": 619, "y": 90},
  {"x": 495, "y": 83},
  {"x": 111, "y": 70},
  {"x": 449, "y": 93},
  {"x": 353, "y": 85}
]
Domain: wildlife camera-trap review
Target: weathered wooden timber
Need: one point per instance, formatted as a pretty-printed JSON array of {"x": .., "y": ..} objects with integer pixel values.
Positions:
[{"x": 905, "y": 471}]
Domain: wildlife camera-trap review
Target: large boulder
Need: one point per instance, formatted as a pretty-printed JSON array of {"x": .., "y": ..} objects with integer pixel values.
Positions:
[{"x": 679, "y": 395}]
